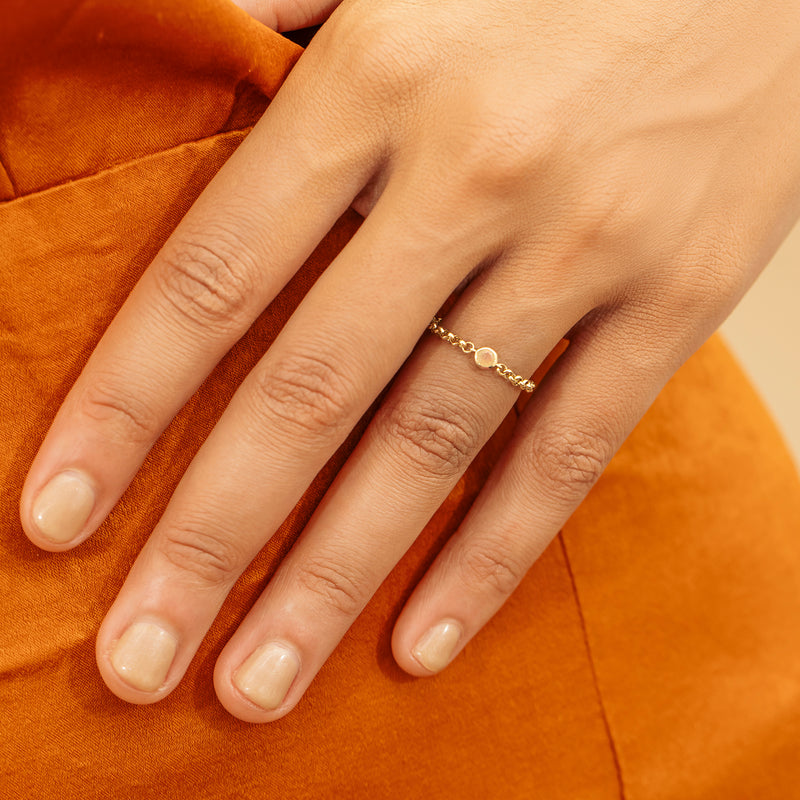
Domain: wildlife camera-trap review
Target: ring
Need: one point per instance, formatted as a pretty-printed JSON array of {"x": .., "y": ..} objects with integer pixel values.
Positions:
[{"x": 485, "y": 357}]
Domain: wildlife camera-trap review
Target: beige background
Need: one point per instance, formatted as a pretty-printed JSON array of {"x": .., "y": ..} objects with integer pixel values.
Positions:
[{"x": 764, "y": 333}]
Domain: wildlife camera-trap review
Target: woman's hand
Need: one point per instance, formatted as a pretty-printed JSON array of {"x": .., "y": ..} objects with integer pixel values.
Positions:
[{"x": 617, "y": 170}]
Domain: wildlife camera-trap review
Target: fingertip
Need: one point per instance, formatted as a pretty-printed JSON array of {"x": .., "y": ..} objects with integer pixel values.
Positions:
[
  {"x": 55, "y": 517},
  {"x": 259, "y": 689},
  {"x": 138, "y": 664},
  {"x": 427, "y": 650}
]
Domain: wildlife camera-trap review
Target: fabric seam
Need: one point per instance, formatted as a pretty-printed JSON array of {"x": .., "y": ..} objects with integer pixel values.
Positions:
[{"x": 595, "y": 681}]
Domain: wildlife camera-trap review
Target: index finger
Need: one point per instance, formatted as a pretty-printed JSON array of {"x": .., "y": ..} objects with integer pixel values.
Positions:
[{"x": 251, "y": 229}]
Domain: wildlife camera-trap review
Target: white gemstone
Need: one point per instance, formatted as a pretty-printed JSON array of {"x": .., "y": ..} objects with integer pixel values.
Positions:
[{"x": 485, "y": 357}]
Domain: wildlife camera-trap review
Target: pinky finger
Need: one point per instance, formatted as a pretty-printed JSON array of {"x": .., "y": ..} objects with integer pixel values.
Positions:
[{"x": 566, "y": 436}]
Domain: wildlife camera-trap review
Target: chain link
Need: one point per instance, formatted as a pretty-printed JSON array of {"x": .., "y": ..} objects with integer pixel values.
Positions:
[{"x": 490, "y": 356}]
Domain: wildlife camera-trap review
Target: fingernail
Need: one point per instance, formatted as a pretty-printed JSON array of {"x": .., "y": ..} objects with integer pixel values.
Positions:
[
  {"x": 436, "y": 647},
  {"x": 265, "y": 677},
  {"x": 143, "y": 655},
  {"x": 63, "y": 506}
]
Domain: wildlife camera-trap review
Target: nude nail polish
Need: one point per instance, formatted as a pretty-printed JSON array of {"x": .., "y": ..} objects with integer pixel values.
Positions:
[
  {"x": 265, "y": 677},
  {"x": 63, "y": 506},
  {"x": 143, "y": 655},
  {"x": 436, "y": 647}
]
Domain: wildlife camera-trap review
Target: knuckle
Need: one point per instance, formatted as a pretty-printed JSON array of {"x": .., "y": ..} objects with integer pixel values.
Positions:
[
  {"x": 610, "y": 214},
  {"x": 306, "y": 392},
  {"x": 208, "y": 283},
  {"x": 207, "y": 557},
  {"x": 570, "y": 460},
  {"x": 380, "y": 57},
  {"x": 124, "y": 415},
  {"x": 340, "y": 589},
  {"x": 691, "y": 301},
  {"x": 712, "y": 279},
  {"x": 502, "y": 159},
  {"x": 492, "y": 565},
  {"x": 437, "y": 436},
  {"x": 503, "y": 149}
]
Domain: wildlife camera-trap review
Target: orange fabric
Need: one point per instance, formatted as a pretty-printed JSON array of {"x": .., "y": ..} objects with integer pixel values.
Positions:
[{"x": 652, "y": 652}]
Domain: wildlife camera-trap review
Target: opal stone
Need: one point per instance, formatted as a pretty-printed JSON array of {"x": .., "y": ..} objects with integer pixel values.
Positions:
[{"x": 485, "y": 357}]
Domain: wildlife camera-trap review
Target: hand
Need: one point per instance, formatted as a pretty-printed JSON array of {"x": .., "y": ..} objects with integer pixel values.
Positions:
[{"x": 619, "y": 174}]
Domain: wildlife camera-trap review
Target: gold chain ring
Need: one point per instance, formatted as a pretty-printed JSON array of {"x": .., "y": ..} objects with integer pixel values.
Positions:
[{"x": 485, "y": 357}]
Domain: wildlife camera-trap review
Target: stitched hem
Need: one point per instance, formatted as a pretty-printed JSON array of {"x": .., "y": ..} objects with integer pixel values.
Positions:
[{"x": 604, "y": 715}]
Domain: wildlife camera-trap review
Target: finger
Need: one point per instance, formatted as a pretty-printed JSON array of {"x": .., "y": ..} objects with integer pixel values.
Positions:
[
  {"x": 247, "y": 234},
  {"x": 565, "y": 438},
  {"x": 438, "y": 415},
  {"x": 341, "y": 346},
  {"x": 288, "y": 15}
]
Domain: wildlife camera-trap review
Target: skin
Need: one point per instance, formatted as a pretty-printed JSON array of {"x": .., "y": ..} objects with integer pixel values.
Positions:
[{"x": 616, "y": 171}]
